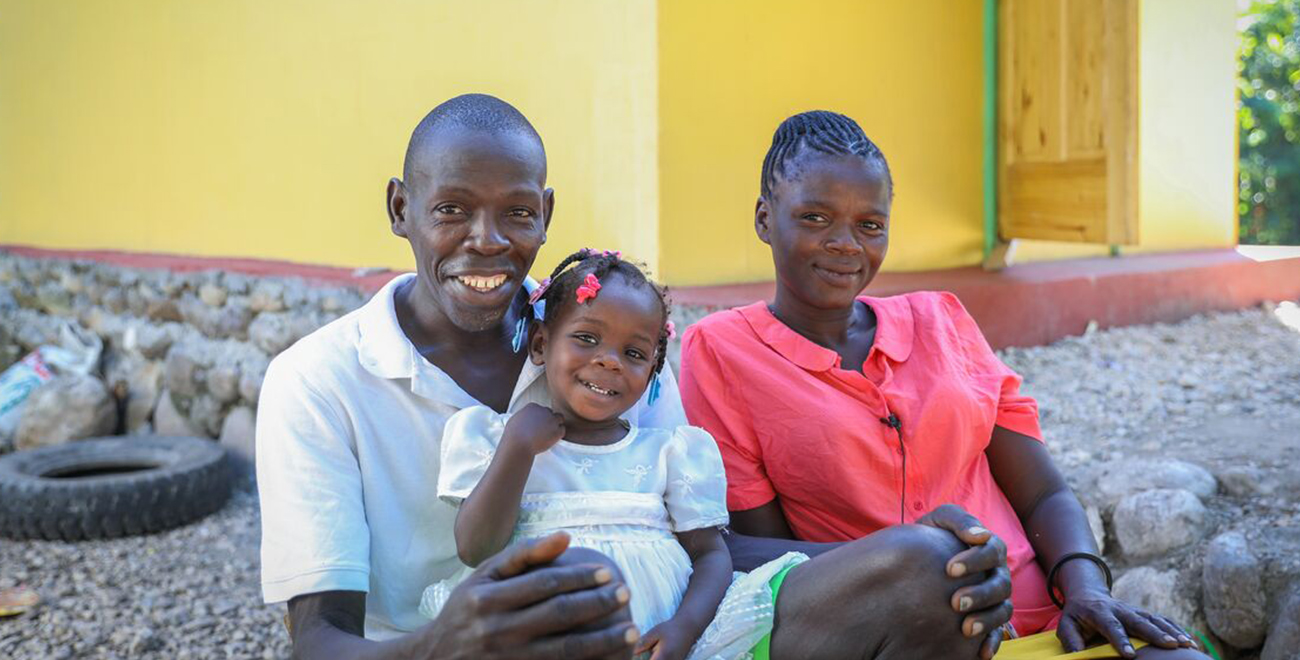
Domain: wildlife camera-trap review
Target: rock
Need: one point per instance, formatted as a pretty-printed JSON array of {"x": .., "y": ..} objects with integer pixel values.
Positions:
[
  {"x": 167, "y": 420},
  {"x": 273, "y": 332},
  {"x": 230, "y": 320},
  {"x": 149, "y": 340},
  {"x": 66, "y": 408},
  {"x": 158, "y": 306},
  {"x": 1245, "y": 481},
  {"x": 182, "y": 372},
  {"x": 250, "y": 380},
  {"x": 1097, "y": 526},
  {"x": 1283, "y": 641},
  {"x": 267, "y": 296},
  {"x": 137, "y": 383},
  {"x": 7, "y": 300},
  {"x": 205, "y": 415},
  {"x": 54, "y": 299},
  {"x": 1235, "y": 603},
  {"x": 1157, "y": 591},
  {"x": 1155, "y": 522},
  {"x": 223, "y": 383},
  {"x": 1125, "y": 477},
  {"x": 237, "y": 436},
  {"x": 213, "y": 295}
]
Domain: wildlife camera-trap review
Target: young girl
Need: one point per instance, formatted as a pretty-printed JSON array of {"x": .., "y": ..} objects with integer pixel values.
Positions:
[{"x": 651, "y": 499}]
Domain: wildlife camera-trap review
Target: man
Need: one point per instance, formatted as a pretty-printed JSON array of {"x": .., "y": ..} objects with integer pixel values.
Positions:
[{"x": 350, "y": 422}]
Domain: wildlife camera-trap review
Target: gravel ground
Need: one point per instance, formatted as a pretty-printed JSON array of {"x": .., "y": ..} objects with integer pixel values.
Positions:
[{"x": 1213, "y": 389}]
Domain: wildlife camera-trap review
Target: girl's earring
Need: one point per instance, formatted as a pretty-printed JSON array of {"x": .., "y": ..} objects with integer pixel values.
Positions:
[
  {"x": 521, "y": 333},
  {"x": 654, "y": 389}
]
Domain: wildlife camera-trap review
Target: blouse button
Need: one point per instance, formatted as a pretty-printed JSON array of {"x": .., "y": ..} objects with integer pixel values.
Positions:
[{"x": 917, "y": 505}]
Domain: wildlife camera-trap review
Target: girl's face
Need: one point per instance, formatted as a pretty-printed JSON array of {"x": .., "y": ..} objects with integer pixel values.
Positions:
[
  {"x": 599, "y": 355},
  {"x": 828, "y": 226}
]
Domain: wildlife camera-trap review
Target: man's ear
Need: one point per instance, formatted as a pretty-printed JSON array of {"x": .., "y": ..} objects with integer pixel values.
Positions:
[
  {"x": 397, "y": 206},
  {"x": 537, "y": 338},
  {"x": 548, "y": 207},
  {"x": 762, "y": 220}
]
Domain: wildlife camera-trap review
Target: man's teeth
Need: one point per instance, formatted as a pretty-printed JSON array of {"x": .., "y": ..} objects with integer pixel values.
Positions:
[
  {"x": 480, "y": 283},
  {"x": 599, "y": 390}
]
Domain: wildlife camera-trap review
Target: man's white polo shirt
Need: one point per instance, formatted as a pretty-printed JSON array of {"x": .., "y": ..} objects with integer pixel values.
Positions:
[{"x": 349, "y": 426}]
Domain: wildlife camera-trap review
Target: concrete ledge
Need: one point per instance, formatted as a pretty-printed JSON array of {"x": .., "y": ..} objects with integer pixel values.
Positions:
[
  {"x": 1038, "y": 303},
  {"x": 1024, "y": 305}
]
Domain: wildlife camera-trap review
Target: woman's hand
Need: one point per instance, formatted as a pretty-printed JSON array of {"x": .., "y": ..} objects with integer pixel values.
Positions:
[
  {"x": 535, "y": 428},
  {"x": 987, "y": 605},
  {"x": 1096, "y": 613},
  {"x": 670, "y": 640}
]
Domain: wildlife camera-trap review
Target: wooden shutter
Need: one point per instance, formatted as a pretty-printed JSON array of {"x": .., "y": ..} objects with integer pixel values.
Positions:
[{"x": 1068, "y": 120}]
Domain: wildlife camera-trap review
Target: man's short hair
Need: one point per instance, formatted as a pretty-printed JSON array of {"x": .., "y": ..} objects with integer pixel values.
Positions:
[{"x": 477, "y": 112}]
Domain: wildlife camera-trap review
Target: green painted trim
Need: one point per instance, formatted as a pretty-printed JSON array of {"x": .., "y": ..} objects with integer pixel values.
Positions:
[{"x": 990, "y": 126}]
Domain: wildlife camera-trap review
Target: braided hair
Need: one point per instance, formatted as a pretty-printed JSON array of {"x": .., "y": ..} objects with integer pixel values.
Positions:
[
  {"x": 563, "y": 284},
  {"x": 829, "y": 133}
]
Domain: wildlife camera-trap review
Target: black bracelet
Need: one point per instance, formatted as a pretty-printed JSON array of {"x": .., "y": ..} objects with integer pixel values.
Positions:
[{"x": 1051, "y": 575}]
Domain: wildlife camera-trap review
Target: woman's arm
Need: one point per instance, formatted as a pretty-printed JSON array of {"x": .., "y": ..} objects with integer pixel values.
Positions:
[
  {"x": 486, "y": 519},
  {"x": 1056, "y": 525}
]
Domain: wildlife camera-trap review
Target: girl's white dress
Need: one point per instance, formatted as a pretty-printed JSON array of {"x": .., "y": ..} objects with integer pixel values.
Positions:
[{"x": 625, "y": 500}]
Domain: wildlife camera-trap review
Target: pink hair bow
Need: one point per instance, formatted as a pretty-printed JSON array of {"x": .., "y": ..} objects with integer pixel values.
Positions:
[
  {"x": 587, "y": 290},
  {"x": 539, "y": 291},
  {"x": 672, "y": 331}
]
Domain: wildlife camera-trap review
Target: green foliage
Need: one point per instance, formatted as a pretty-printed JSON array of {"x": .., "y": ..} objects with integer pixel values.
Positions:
[{"x": 1268, "y": 118}]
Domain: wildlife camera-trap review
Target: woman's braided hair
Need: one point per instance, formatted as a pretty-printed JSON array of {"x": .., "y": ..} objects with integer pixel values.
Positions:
[
  {"x": 825, "y": 132},
  {"x": 561, "y": 292}
]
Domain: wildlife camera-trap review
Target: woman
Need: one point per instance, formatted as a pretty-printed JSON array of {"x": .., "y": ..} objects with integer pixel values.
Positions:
[{"x": 839, "y": 415}]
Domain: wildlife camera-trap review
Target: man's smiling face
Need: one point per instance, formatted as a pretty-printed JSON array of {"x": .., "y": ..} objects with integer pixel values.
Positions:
[{"x": 475, "y": 209}]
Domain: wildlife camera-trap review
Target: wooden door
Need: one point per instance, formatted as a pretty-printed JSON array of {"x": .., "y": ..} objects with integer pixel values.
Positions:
[{"x": 1068, "y": 120}]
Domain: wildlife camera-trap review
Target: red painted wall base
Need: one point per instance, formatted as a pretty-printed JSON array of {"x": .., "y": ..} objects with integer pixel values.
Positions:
[{"x": 1038, "y": 303}]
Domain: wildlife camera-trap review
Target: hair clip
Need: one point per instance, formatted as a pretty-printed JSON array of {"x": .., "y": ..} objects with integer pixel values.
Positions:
[
  {"x": 587, "y": 290},
  {"x": 672, "y": 330},
  {"x": 539, "y": 291},
  {"x": 617, "y": 254}
]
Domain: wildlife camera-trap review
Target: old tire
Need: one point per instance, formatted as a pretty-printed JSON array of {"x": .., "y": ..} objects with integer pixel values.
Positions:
[{"x": 111, "y": 487}]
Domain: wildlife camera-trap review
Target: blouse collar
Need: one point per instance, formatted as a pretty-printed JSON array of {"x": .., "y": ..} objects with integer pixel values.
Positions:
[{"x": 894, "y": 334}]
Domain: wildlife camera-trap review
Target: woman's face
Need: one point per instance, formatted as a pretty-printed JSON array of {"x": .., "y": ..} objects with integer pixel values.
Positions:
[{"x": 827, "y": 222}]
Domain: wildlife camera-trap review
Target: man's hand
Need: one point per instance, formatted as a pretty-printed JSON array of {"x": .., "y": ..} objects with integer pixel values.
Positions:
[
  {"x": 515, "y": 606},
  {"x": 535, "y": 427},
  {"x": 987, "y": 605}
]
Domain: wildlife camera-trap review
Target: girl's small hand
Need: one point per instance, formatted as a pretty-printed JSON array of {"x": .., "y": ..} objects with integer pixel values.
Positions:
[
  {"x": 535, "y": 427},
  {"x": 667, "y": 641},
  {"x": 1099, "y": 613}
]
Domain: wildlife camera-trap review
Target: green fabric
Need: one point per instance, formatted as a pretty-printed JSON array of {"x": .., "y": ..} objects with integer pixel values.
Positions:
[{"x": 763, "y": 649}]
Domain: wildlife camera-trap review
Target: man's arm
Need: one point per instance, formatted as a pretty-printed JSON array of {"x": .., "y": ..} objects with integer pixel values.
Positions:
[{"x": 514, "y": 606}]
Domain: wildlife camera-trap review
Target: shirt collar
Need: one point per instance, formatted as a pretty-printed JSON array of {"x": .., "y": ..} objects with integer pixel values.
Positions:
[
  {"x": 384, "y": 350},
  {"x": 894, "y": 334}
]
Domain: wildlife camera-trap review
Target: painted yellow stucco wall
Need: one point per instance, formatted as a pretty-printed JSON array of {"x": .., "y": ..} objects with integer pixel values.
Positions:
[
  {"x": 1187, "y": 150},
  {"x": 269, "y": 129},
  {"x": 730, "y": 70}
]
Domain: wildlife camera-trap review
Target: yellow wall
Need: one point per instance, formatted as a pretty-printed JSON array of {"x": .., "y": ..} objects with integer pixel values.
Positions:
[
  {"x": 1187, "y": 132},
  {"x": 255, "y": 129},
  {"x": 730, "y": 70},
  {"x": 269, "y": 129}
]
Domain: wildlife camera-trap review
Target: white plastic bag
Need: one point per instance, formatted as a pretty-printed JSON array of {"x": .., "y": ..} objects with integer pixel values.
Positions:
[{"x": 78, "y": 353}]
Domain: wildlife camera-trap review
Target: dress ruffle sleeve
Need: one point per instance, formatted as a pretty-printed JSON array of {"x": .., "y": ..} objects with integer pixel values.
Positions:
[
  {"x": 469, "y": 441},
  {"x": 696, "y": 493}
]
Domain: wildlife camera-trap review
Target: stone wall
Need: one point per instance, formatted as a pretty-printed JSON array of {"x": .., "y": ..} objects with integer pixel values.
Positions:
[{"x": 184, "y": 353}]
